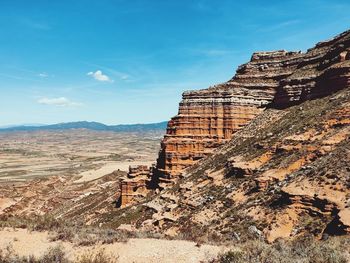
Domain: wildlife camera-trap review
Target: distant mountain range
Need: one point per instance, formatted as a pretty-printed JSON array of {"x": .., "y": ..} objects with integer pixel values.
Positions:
[{"x": 96, "y": 126}]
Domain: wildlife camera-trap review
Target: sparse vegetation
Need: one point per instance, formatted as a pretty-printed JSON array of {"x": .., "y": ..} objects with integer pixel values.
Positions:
[
  {"x": 306, "y": 250},
  {"x": 97, "y": 257},
  {"x": 76, "y": 233},
  {"x": 52, "y": 255},
  {"x": 57, "y": 254}
]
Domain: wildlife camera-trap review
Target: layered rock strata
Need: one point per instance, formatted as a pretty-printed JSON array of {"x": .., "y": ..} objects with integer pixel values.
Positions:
[
  {"x": 286, "y": 174},
  {"x": 208, "y": 118},
  {"x": 135, "y": 185},
  {"x": 324, "y": 69}
]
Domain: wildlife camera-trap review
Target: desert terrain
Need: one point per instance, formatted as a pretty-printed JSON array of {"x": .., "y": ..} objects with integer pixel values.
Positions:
[
  {"x": 138, "y": 249},
  {"x": 83, "y": 154},
  {"x": 255, "y": 169},
  {"x": 45, "y": 171},
  {"x": 74, "y": 174}
]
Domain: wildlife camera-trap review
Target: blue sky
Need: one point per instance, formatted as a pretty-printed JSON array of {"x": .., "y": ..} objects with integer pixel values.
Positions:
[{"x": 128, "y": 61}]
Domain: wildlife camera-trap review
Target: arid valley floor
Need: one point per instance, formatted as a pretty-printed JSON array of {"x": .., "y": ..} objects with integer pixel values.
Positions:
[
  {"x": 61, "y": 172},
  {"x": 75, "y": 153},
  {"x": 65, "y": 161}
]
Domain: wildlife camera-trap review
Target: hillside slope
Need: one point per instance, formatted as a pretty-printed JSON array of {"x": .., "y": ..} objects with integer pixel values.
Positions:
[{"x": 285, "y": 174}]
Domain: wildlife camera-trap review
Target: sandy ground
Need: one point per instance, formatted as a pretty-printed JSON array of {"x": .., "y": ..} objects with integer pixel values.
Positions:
[
  {"x": 135, "y": 250},
  {"x": 109, "y": 168}
]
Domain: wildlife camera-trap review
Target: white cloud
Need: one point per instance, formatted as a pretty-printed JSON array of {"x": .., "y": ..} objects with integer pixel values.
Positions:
[
  {"x": 43, "y": 75},
  {"x": 98, "y": 75},
  {"x": 61, "y": 102}
]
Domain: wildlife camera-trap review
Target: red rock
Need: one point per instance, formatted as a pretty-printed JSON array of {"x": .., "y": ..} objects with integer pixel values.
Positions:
[
  {"x": 134, "y": 186},
  {"x": 208, "y": 118}
]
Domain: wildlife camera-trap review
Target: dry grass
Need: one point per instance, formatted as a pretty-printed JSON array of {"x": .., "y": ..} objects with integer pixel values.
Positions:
[
  {"x": 76, "y": 233},
  {"x": 56, "y": 255},
  {"x": 302, "y": 250},
  {"x": 307, "y": 250},
  {"x": 53, "y": 254},
  {"x": 99, "y": 257}
]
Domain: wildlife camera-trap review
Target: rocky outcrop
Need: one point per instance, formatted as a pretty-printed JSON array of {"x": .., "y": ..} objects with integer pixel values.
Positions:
[
  {"x": 324, "y": 69},
  {"x": 283, "y": 171},
  {"x": 135, "y": 185},
  {"x": 285, "y": 174},
  {"x": 208, "y": 118}
]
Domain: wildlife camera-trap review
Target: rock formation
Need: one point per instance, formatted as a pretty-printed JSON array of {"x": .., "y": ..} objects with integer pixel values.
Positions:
[
  {"x": 324, "y": 69},
  {"x": 135, "y": 185},
  {"x": 208, "y": 118},
  {"x": 285, "y": 174}
]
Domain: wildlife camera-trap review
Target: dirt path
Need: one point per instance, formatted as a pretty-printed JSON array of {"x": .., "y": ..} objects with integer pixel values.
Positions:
[{"x": 135, "y": 250}]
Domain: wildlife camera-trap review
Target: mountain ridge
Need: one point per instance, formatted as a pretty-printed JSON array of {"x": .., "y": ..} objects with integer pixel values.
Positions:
[{"x": 90, "y": 125}]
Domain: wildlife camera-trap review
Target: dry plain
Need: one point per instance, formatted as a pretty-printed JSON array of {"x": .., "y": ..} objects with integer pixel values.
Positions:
[
  {"x": 76, "y": 153},
  {"x": 74, "y": 176},
  {"x": 43, "y": 171}
]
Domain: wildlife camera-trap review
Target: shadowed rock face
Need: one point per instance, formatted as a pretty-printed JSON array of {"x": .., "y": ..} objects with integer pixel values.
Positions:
[
  {"x": 208, "y": 118},
  {"x": 323, "y": 70}
]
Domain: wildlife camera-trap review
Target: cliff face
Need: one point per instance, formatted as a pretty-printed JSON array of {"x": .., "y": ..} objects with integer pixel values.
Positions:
[
  {"x": 284, "y": 175},
  {"x": 208, "y": 118},
  {"x": 280, "y": 129},
  {"x": 134, "y": 186},
  {"x": 323, "y": 69}
]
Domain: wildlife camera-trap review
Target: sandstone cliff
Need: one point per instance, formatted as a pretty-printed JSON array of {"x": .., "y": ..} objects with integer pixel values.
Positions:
[
  {"x": 208, "y": 118},
  {"x": 284, "y": 175},
  {"x": 265, "y": 154}
]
